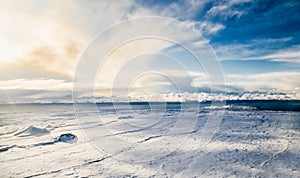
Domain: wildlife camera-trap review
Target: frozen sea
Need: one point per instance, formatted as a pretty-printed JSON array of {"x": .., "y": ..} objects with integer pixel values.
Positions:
[{"x": 239, "y": 139}]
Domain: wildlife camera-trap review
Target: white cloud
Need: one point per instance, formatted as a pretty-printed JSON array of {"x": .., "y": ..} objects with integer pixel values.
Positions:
[
  {"x": 207, "y": 28},
  {"x": 291, "y": 54},
  {"x": 255, "y": 50},
  {"x": 276, "y": 81},
  {"x": 263, "y": 41},
  {"x": 226, "y": 9},
  {"x": 184, "y": 11},
  {"x": 35, "y": 84}
]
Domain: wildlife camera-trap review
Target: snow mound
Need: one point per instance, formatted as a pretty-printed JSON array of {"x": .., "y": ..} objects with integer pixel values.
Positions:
[{"x": 32, "y": 131}]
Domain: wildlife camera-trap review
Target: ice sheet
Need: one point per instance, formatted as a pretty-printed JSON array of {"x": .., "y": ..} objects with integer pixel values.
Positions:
[{"x": 247, "y": 143}]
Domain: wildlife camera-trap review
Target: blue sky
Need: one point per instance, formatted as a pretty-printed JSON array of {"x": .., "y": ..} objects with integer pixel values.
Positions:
[{"x": 256, "y": 42}]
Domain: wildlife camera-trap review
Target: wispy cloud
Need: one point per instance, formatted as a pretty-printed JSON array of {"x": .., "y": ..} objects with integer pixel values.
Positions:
[
  {"x": 186, "y": 11},
  {"x": 206, "y": 28},
  {"x": 274, "y": 81},
  {"x": 291, "y": 54},
  {"x": 260, "y": 49},
  {"x": 227, "y": 9}
]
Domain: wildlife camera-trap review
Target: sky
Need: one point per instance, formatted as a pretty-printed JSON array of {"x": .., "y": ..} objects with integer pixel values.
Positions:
[{"x": 256, "y": 43}]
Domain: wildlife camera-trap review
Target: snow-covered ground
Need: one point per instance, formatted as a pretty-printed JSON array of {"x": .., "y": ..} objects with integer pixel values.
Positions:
[{"x": 143, "y": 143}]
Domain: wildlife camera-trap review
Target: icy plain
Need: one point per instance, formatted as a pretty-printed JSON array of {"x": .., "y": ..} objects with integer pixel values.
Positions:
[{"x": 37, "y": 140}]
